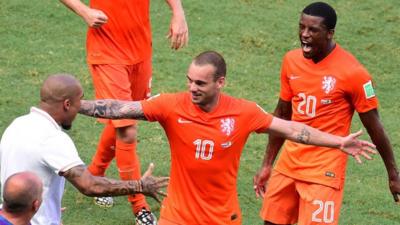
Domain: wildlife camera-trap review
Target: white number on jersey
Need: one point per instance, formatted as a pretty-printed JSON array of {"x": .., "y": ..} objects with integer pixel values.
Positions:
[
  {"x": 308, "y": 105},
  {"x": 202, "y": 147},
  {"x": 327, "y": 209}
]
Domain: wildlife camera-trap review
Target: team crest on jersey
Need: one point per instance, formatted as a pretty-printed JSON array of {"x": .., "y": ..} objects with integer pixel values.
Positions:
[
  {"x": 328, "y": 83},
  {"x": 227, "y": 126}
]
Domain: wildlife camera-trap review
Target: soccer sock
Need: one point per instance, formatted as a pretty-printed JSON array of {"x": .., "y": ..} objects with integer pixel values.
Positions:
[
  {"x": 105, "y": 151},
  {"x": 129, "y": 169}
]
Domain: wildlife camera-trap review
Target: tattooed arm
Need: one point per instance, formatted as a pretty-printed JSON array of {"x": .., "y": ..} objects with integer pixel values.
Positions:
[
  {"x": 302, "y": 133},
  {"x": 112, "y": 109},
  {"x": 91, "y": 185}
]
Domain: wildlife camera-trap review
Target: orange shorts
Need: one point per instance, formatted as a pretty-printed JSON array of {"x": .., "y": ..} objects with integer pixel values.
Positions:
[
  {"x": 122, "y": 82},
  {"x": 290, "y": 201}
]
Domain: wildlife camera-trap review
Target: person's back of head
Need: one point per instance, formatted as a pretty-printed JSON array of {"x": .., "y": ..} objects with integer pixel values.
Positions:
[{"x": 22, "y": 196}]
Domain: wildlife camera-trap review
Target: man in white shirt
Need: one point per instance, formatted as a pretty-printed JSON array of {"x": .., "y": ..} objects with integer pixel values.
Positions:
[{"x": 35, "y": 142}]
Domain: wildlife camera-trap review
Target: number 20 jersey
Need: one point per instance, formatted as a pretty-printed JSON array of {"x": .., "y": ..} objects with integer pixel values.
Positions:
[
  {"x": 205, "y": 153},
  {"x": 324, "y": 95}
]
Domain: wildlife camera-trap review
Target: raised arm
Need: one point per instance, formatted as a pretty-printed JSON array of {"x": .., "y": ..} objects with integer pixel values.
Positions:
[
  {"x": 302, "y": 133},
  {"x": 283, "y": 110},
  {"x": 379, "y": 137},
  {"x": 93, "y": 17},
  {"x": 112, "y": 109},
  {"x": 91, "y": 185},
  {"x": 178, "y": 32}
]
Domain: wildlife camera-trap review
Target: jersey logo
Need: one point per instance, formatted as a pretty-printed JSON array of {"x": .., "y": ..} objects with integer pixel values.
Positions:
[
  {"x": 369, "y": 90},
  {"x": 226, "y": 144},
  {"x": 330, "y": 174},
  {"x": 293, "y": 77},
  {"x": 328, "y": 83},
  {"x": 180, "y": 120},
  {"x": 326, "y": 101},
  {"x": 227, "y": 126}
]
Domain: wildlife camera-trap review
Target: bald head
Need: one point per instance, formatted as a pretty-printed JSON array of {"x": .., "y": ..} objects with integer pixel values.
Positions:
[
  {"x": 58, "y": 87},
  {"x": 21, "y": 191}
]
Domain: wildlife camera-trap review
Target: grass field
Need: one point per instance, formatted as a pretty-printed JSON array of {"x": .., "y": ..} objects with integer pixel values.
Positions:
[{"x": 38, "y": 38}]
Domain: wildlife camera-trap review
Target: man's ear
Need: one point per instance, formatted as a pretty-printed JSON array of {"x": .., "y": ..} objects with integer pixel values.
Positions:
[
  {"x": 36, "y": 205},
  {"x": 221, "y": 82},
  {"x": 67, "y": 104},
  {"x": 331, "y": 32}
]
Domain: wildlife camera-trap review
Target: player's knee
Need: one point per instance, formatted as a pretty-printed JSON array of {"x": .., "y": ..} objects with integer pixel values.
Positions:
[{"x": 127, "y": 134}]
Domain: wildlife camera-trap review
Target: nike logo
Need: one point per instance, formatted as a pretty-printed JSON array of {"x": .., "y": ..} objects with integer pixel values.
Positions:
[
  {"x": 293, "y": 77},
  {"x": 180, "y": 120}
]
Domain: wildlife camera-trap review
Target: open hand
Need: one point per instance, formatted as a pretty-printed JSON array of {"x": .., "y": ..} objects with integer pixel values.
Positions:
[
  {"x": 356, "y": 147},
  {"x": 151, "y": 185}
]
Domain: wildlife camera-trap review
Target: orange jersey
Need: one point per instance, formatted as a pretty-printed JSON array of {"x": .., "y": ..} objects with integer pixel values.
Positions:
[
  {"x": 125, "y": 38},
  {"x": 205, "y": 154},
  {"x": 324, "y": 96}
]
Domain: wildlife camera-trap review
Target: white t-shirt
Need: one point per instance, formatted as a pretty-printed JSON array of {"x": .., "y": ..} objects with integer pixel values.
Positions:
[{"x": 35, "y": 142}]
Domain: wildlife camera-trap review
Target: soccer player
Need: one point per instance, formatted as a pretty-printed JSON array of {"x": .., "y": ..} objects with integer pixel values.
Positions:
[
  {"x": 119, "y": 53},
  {"x": 321, "y": 85},
  {"x": 50, "y": 153},
  {"x": 22, "y": 196},
  {"x": 207, "y": 130}
]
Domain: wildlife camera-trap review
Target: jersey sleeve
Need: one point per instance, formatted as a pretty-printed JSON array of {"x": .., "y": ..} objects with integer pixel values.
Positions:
[
  {"x": 158, "y": 107},
  {"x": 286, "y": 93},
  {"x": 361, "y": 90},
  {"x": 259, "y": 119},
  {"x": 60, "y": 154}
]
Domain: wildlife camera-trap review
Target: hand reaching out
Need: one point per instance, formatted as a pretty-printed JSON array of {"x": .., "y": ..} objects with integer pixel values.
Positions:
[
  {"x": 356, "y": 147},
  {"x": 151, "y": 185}
]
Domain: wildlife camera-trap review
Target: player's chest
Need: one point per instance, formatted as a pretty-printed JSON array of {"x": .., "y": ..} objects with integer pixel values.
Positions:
[
  {"x": 206, "y": 138},
  {"x": 315, "y": 92}
]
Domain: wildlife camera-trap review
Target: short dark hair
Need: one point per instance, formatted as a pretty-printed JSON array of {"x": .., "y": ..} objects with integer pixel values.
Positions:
[
  {"x": 322, "y": 9},
  {"x": 212, "y": 58}
]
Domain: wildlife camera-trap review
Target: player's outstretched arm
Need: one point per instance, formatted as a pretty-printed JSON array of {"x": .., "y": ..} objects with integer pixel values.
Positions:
[
  {"x": 302, "y": 133},
  {"x": 178, "y": 32},
  {"x": 112, "y": 109},
  {"x": 91, "y": 185},
  {"x": 283, "y": 110},
  {"x": 93, "y": 17},
  {"x": 379, "y": 137}
]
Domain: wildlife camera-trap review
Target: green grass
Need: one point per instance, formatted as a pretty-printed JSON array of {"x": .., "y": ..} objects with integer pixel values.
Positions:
[{"x": 38, "y": 38}]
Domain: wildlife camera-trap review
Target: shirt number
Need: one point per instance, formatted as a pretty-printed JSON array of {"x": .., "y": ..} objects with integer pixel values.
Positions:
[
  {"x": 308, "y": 105},
  {"x": 327, "y": 209},
  {"x": 204, "y": 149}
]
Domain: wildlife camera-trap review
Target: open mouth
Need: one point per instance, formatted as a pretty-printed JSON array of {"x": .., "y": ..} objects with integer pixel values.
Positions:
[{"x": 306, "y": 46}]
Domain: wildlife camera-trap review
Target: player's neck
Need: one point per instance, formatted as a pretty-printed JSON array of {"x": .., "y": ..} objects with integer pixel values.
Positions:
[
  {"x": 328, "y": 50},
  {"x": 211, "y": 105}
]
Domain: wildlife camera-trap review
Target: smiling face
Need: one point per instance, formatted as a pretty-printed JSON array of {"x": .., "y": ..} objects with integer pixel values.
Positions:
[
  {"x": 315, "y": 38},
  {"x": 202, "y": 85}
]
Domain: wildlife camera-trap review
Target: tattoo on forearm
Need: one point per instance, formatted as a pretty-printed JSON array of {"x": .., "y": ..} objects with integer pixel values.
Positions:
[
  {"x": 304, "y": 136},
  {"x": 112, "y": 109},
  {"x": 90, "y": 185}
]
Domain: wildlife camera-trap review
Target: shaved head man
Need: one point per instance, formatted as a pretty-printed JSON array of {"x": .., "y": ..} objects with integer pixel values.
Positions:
[
  {"x": 36, "y": 142},
  {"x": 21, "y": 199},
  {"x": 59, "y": 96}
]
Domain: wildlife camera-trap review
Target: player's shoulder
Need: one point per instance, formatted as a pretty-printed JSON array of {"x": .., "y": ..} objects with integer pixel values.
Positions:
[
  {"x": 348, "y": 63},
  {"x": 294, "y": 54},
  {"x": 238, "y": 104}
]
